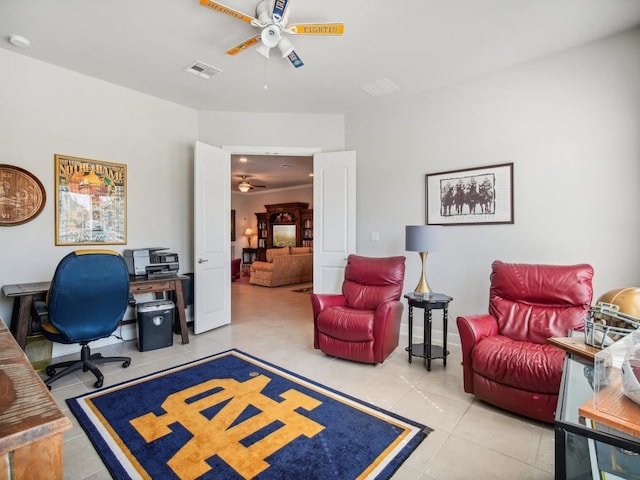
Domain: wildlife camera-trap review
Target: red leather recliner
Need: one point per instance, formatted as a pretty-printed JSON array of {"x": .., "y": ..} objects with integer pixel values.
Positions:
[
  {"x": 506, "y": 360},
  {"x": 362, "y": 323}
]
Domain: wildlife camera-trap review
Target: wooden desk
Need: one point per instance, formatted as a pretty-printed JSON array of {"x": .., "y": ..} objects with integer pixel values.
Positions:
[
  {"x": 161, "y": 285},
  {"x": 31, "y": 423},
  {"x": 25, "y": 293},
  {"x": 23, "y": 296}
]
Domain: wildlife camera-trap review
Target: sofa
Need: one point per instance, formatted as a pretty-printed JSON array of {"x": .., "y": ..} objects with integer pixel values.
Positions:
[
  {"x": 284, "y": 266},
  {"x": 506, "y": 360}
]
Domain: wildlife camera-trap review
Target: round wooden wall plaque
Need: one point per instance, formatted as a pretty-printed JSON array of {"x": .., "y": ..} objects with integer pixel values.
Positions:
[{"x": 22, "y": 196}]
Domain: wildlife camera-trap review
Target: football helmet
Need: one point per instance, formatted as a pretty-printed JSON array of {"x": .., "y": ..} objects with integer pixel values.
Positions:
[{"x": 615, "y": 314}]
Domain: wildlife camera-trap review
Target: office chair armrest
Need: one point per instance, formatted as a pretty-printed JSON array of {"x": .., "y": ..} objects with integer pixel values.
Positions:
[
  {"x": 41, "y": 310},
  {"x": 40, "y": 307}
]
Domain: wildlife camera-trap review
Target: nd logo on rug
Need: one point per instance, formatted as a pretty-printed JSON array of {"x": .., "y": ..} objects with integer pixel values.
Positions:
[{"x": 220, "y": 435}]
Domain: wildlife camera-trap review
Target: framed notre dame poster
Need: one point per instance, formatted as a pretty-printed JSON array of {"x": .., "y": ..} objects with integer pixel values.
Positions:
[
  {"x": 91, "y": 201},
  {"x": 22, "y": 196}
]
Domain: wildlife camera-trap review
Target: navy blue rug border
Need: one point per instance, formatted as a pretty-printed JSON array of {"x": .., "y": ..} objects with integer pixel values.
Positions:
[{"x": 101, "y": 447}]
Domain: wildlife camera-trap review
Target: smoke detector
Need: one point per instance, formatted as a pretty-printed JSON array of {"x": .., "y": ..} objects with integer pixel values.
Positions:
[{"x": 19, "y": 41}]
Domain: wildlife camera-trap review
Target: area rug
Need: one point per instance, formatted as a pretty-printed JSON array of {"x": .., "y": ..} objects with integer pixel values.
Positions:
[{"x": 233, "y": 416}]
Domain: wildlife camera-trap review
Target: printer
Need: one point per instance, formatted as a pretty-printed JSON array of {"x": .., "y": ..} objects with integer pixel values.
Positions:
[{"x": 151, "y": 262}]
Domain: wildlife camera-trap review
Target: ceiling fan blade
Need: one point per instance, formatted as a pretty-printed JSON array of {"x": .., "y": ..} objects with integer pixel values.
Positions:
[
  {"x": 295, "y": 59},
  {"x": 279, "y": 9},
  {"x": 218, "y": 7},
  {"x": 316, "y": 29},
  {"x": 242, "y": 46}
]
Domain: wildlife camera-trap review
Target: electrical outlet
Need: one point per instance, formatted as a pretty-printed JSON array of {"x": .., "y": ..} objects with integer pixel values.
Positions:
[{"x": 375, "y": 236}]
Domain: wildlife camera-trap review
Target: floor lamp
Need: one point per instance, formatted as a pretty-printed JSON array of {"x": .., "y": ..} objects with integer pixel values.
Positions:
[{"x": 422, "y": 239}]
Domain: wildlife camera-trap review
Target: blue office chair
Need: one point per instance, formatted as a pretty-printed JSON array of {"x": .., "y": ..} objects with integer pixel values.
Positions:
[{"x": 87, "y": 299}]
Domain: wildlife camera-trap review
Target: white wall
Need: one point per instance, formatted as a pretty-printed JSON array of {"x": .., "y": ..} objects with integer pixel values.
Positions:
[
  {"x": 48, "y": 110},
  {"x": 272, "y": 130},
  {"x": 570, "y": 123}
]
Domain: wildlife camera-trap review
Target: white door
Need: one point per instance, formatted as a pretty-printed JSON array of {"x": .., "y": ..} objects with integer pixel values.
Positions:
[
  {"x": 334, "y": 218},
  {"x": 212, "y": 238}
]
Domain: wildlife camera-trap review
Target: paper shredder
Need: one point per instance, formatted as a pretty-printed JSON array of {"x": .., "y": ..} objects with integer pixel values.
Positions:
[{"x": 155, "y": 324}]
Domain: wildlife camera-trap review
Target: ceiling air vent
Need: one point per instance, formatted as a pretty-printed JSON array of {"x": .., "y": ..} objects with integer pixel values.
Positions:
[{"x": 201, "y": 69}]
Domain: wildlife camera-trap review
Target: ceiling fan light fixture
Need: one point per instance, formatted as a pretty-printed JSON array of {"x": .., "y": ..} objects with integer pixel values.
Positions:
[
  {"x": 285, "y": 46},
  {"x": 244, "y": 186},
  {"x": 271, "y": 35},
  {"x": 263, "y": 13}
]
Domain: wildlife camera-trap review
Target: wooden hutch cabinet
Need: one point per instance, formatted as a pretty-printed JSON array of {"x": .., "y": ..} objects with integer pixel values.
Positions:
[{"x": 295, "y": 214}]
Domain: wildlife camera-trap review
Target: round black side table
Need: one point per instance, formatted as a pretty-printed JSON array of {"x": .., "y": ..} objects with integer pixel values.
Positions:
[{"x": 428, "y": 302}]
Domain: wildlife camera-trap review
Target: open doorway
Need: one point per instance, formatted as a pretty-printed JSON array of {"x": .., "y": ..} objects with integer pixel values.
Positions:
[
  {"x": 264, "y": 179},
  {"x": 333, "y": 219}
]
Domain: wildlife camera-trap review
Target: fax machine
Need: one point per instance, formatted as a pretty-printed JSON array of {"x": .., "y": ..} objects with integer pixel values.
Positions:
[{"x": 151, "y": 262}]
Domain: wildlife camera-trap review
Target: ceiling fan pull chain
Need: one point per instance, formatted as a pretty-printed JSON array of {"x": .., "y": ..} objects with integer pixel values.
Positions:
[{"x": 266, "y": 79}]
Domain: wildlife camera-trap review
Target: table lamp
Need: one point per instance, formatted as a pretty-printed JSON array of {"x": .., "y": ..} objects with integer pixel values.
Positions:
[
  {"x": 422, "y": 239},
  {"x": 247, "y": 233}
]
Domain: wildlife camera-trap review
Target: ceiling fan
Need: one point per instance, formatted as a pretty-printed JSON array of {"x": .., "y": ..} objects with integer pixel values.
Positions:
[
  {"x": 273, "y": 20},
  {"x": 244, "y": 186}
]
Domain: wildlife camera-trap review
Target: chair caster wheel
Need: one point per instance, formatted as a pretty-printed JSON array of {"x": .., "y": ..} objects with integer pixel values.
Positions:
[
  {"x": 98, "y": 384},
  {"x": 126, "y": 364},
  {"x": 50, "y": 371}
]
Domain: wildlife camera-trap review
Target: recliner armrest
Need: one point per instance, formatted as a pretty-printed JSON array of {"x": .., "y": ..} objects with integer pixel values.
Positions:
[
  {"x": 386, "y": 328},
  {"x": 472, "y": 329},
  {"x": 476, "y": 327},
  {"x": 322, "y": 301}
]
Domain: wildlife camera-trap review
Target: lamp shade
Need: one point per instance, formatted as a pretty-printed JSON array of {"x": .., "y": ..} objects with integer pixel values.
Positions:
[
  {"x": 247, "y": 233},
  {"x": 422, "y": 238}
]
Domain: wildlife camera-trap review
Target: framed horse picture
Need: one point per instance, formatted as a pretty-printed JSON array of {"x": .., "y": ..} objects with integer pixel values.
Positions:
[{"x": 470, "y": 196}]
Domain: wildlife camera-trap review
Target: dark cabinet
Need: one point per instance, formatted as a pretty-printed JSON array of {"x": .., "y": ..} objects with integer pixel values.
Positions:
[{"x": 284, "y": 224}]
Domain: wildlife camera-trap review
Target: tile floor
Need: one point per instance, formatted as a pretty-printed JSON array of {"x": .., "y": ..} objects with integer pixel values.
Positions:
[{"x": 471, "y": 440}]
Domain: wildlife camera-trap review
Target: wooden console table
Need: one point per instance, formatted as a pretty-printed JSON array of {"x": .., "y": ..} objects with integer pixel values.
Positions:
[
  {"x": 575, "y": 346},
  {"x": 25, "y": 293},
  {"x": 31, "y": 423}
]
